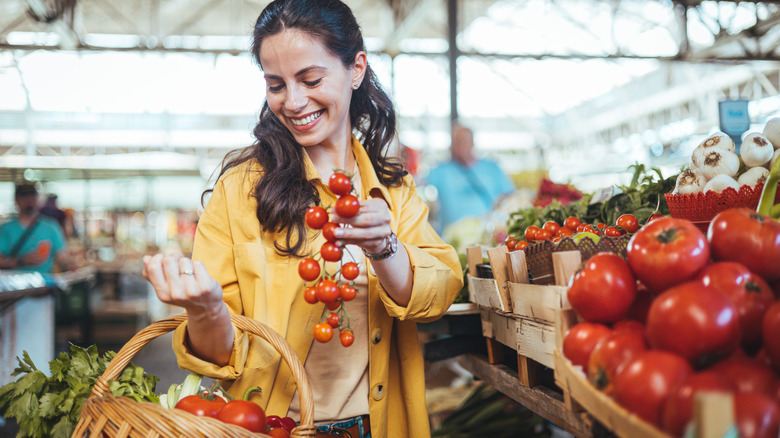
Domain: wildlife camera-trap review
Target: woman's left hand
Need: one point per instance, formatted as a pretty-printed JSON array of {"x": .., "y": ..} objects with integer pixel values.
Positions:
[{"x": 369, "y": 228}]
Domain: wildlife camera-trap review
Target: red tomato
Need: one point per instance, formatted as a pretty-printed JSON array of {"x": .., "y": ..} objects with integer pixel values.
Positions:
[
  {"x": 288, "y": 424},
  {"x": 571, "y": 222},
  {"x": 603, "y": 289},
  {"x": 530, "y": 233},
  {"x": 610, "y": 355},
  {"x": 581, "y": 227},
  {"x": 581, "y": 339},
  {"x": 316, "y": 217},
  {"x": 641, "y": 304},
  {"x": 521, "y": 245},
  {"x": 339, "y": 184},
  {"x": 628, "y": 222},
  {"x": 756, "y": 415},
  {"x": 346, "y": 337},
  {"x": 310, "y": 295},
  {"x": 195, "y": 404},
  {"x": 327, "y": 231},
  {"x": 333, "y": 319},
  {"x": 564, "y": 232},
  {"x": 551, "y": 226},
  {"x": 350, "y": 270},
  {"x": 771, "y": 328},
  {"x": 347, "y": 292},
  {"x": 278, "y": 432},
  {"x": 323, "y": 332},
  {"x": 653, "y": 217},
  {"x": 612, "y": 232},
  {"x": 330, "y": 252},
  {"x": 274, "y": 421},
  {"x": 510, "y": 243},
  {"x": 327, "y": 291},
  {"x": 678, "y": 409},
  {"x": 333, "y": 305},
  {"x": 244, "y": 413},
  {"x": 750, "y": 294},
  {"x": 748, "y": 374},
  {"x": 666, "y": 252},
  {"x": 601, "y": 226},
  {"x": 644, "y": 383},
  {"x": 308, "y": 269},
  {"x": 694, "y": 321},
  {"x": 543, "y": 234},
  {"x": 629, "y": 326},
  {"x": 744, "y": 236},
  {"x": 587, "y": 228},
  {"x": 347, "y": 206}
]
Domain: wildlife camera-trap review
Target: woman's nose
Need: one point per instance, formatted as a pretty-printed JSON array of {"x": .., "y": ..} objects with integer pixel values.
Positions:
[{"x": 296, "y": 99}]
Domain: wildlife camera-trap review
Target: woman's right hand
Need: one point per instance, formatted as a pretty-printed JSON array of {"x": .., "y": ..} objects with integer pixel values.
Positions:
[{"x": 179, "y": 281}]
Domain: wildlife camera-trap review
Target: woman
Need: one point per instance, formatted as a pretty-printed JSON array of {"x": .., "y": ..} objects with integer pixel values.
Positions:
[{"x": 251, "y": 236}]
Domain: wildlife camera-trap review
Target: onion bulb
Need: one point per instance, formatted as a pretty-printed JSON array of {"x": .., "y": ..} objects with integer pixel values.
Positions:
[
  {"x": 753, "y": 176},
  {"x": 721, "y": 182},
  {"x": 718, "y": 140},
  {"x": 717, "y": 161},
  {"x": 772, "y": 131},
  {"x": 756, "y": 150},
  {"x": 689, "y": 182}
]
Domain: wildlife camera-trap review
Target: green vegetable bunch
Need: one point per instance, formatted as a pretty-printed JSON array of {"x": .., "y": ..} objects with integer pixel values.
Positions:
[
  {"x": 50, "y": 406},
  {"x": 642, "y": 197}
]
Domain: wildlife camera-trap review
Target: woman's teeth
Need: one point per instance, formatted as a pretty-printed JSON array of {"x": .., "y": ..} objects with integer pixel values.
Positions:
[{"x": 306, "y": 120}]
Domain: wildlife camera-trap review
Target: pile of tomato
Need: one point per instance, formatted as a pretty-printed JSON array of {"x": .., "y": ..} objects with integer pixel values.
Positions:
[
  {"x": 333, "y": 290},
  {"x": 552, "y": 230},
  {"x": 683, "y": 313},
  {"x": 243, "y": 413}
]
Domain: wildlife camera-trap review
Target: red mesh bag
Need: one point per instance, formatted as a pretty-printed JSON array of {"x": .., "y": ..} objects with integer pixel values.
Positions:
[{"x": 700, "y": 208}]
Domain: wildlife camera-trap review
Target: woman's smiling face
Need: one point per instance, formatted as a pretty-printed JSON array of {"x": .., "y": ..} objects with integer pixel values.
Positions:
[{"x": 308, "y": 89}]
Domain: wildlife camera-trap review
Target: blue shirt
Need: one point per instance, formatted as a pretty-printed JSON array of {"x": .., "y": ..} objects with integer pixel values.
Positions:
[
  {"x": 47, "y": 229},
  {"x": 468, "y": 191}
]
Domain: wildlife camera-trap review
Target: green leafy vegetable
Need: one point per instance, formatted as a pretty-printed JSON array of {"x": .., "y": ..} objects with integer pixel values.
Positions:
[{"x": 50, "y": 406}]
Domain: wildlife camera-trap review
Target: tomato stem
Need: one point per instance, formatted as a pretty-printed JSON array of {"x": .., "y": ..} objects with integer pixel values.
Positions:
[{"x": 251, "y": 390}]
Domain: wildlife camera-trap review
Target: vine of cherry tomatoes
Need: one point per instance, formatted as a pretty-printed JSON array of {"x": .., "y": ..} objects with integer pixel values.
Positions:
[{"x": 332, "y": 290}]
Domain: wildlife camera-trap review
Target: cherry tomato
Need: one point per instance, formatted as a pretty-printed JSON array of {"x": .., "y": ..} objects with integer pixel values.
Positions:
[
  {"x": 628, "y": 222},
  {"x": 587, "y": 228},
  {"x": 308, "y": 269},
  {"x": 543, "y": 234},
  {"x": 612, "y": 231},
  {"x": 347, "y": 206},
  {"x": 333, "y": 305},
  {"x": 327, "y": 231},
  {"x": 347, "y": 292},
  {"x": 333, "y": 319},
  {"x": 748, "y": 374},
  {"x": 564, "y": 232},
  {"x": 749, "y": 292},
  {"x": 531, "y": 232},
  {"x": 744, "y": 236},
  {"x": 244, "y": 413},
  {"x": 323, "y": 332},
  {"x": 756, "y": 415},
  {"x": 316, "y": 217},
  {"x": 603, "y": 289},
  {"x": 601, "y": 226},
  {"x": 653, "y": 217},
  {"x": 327, "y": 291},
  {"x": 310, "y": 295},
  {"x": 288, "y": 424},
  {"x": 551, "y": 226},
  {"x": 274, "y": 421},
  {"x": 330, "y": 252},
  {"x": 521, "y": 245},
  {"x": 667, "y": 252},
  {"x": 644, "y": 383},
  {"x": 581, "y": 339},
  {"x": 197, "y": 405},
  {"x": 339, "y": 184},
  {"x": 770, "y": 328},
  {"x": 510, "y": 243},
  {"x": 610, "y": 355},
  {"x": 678, "y": 408},
  {"x": 571, "y": 222},
  {"x": 278, "y": 432},
  {"x": 347, "y": 337},
  {"x": 694, "y": 321},
  {"x": 350, "y": 270},
  {"x": 581, "y": 227}
]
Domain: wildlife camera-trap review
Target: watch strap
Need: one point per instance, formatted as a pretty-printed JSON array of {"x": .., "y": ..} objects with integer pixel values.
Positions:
[{"x": 390, "y": 249}]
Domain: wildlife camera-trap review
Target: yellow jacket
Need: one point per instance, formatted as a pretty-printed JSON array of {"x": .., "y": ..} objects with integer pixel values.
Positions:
[{"x": 259, "y": 283}]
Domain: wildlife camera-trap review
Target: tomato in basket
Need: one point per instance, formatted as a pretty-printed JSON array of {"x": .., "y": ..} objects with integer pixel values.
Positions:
[
  {"x": 244, "y": 413},
  {"x": 202, "y": 407}
]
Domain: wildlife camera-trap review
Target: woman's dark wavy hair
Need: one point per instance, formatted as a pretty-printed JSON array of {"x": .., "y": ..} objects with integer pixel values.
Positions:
[{"x": 283, "y": 193}]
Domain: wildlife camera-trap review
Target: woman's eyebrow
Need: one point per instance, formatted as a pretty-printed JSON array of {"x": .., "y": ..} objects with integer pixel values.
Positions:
[{"x": 300, "y": 72}]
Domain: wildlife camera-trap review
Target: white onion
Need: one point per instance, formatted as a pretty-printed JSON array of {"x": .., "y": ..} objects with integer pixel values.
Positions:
[
  {"x": 717, "y": 161},
  {"x": 721, "y": 182},
  {"x": 772, "y": 131},
  {"x": 689, "y": 181},
  {"x": 756, "y": 150},
  {"x": 753, "y": 176}
]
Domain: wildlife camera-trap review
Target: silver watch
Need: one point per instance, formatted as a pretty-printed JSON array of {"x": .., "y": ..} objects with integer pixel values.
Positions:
[{"x": 390, "y": 249}]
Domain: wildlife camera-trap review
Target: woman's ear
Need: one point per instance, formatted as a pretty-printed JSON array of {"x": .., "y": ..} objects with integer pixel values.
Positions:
[{"x": 359, "y": 69}]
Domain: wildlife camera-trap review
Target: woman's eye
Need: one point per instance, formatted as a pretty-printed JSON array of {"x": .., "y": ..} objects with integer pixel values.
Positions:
[
  {"x": 312, "y": 83},
  {"x": 274, "y": 88}
]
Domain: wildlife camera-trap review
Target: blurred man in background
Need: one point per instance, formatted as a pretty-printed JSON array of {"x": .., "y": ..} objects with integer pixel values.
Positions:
[{"x": 467, "y": 186}]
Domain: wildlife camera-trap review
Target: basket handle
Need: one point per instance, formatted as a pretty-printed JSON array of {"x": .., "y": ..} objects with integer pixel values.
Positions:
[{"x": 169, "y": 324}]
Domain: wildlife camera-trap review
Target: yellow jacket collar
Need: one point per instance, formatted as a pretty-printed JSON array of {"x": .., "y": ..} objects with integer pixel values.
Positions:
[{"x": 371, "y": 184}]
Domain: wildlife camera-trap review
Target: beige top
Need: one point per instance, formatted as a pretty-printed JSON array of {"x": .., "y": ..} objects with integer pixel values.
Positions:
[{"x": 338, "y": 374}]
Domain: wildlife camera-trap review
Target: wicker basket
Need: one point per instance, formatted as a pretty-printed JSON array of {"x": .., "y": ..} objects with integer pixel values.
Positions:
[
  {"x": 539, "y": 254},
  {"x": 104, "y": 415}
]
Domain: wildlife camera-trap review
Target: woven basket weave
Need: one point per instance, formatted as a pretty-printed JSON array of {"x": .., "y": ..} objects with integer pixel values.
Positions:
[{"x": 104, "y": 415}]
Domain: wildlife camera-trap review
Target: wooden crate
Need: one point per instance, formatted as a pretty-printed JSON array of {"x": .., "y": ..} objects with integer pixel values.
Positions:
[{"x": 713, "y": 412}]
